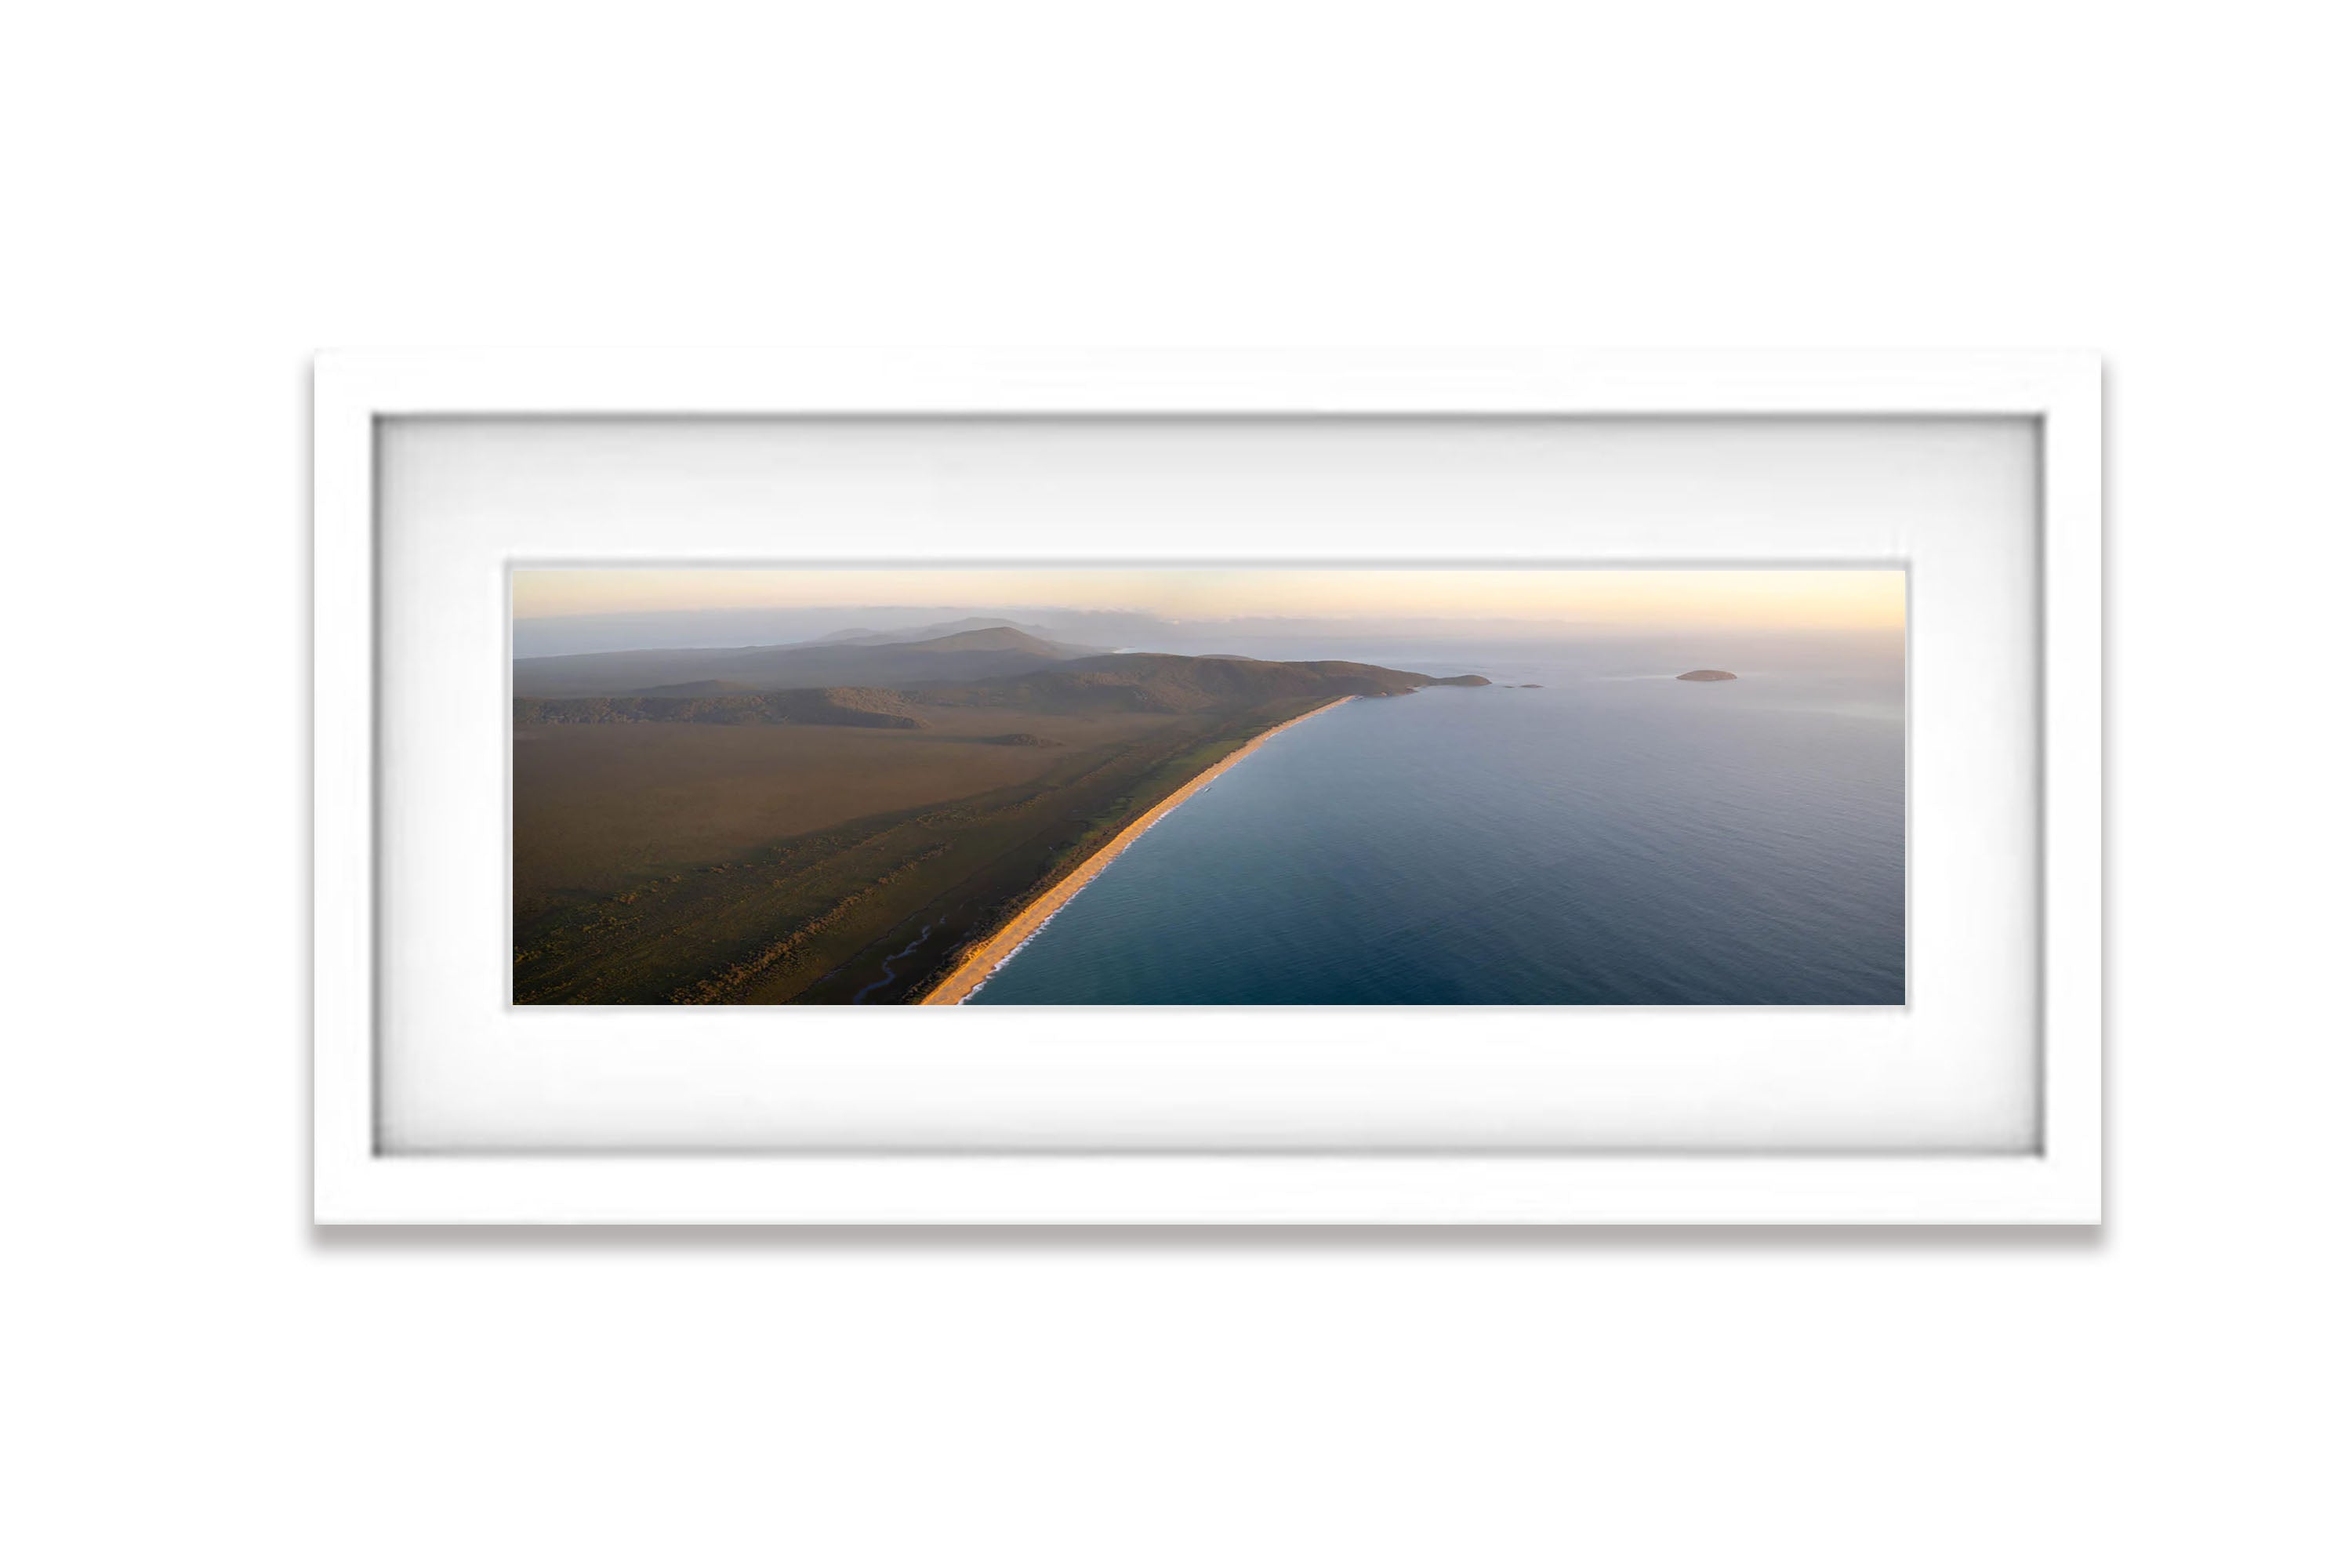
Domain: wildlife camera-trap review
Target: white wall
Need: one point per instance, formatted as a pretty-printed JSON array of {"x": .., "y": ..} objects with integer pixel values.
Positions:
[{"x": 200, "y": 195}]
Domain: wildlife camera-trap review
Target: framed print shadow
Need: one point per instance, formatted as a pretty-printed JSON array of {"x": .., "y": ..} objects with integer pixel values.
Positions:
[{"x": 1289, "y": 789}]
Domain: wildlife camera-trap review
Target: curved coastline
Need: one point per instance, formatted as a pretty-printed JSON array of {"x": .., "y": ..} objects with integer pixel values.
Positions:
[{"x": 1016, "y": 933}]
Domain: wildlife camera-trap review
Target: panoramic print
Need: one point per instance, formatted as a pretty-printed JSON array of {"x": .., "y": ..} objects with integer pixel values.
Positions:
[{"x": 1183, "y": 786}]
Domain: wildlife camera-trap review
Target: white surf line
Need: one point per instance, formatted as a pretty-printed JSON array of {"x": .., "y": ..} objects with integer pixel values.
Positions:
[{"x": 1060, "y": 894}]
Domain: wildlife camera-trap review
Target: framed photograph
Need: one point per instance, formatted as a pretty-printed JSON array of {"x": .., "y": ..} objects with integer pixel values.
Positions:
[{"x": 1168, "y": 789}]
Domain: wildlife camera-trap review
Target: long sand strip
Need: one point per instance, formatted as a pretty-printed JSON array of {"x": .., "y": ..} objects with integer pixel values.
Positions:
[{"x": 984, "y": 960}]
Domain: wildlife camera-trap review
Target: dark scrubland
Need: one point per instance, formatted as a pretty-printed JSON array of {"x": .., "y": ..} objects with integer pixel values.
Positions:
[{"x": 708, "y": 844}]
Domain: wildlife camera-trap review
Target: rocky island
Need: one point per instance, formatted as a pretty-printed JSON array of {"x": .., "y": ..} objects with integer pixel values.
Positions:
[{"x": 1706, "y": 675}]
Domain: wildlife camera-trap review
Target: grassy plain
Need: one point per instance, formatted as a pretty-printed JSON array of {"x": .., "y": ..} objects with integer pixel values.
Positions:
[
  {"x": 600, "y": 806},
  {"x": 664, "y": 862}
]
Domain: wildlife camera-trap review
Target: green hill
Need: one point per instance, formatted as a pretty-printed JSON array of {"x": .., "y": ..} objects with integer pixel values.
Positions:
[
  {"x": 1174, "y": 683},
  {"x": 1109, "y": 683}
]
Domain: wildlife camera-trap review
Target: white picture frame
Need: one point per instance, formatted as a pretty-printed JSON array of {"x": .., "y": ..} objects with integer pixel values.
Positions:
[{"x": 357, "y": 1180}]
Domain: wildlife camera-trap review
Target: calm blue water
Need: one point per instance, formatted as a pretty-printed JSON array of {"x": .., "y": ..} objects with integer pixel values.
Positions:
[{"x": 1617, "y": 837}]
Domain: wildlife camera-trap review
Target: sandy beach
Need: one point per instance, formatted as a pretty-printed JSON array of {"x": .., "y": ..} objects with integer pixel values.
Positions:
[{"x": 984, "y": 959}]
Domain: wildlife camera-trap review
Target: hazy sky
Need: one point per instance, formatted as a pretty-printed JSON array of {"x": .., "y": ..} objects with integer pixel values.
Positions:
[{"x": 1823, "y": 600}]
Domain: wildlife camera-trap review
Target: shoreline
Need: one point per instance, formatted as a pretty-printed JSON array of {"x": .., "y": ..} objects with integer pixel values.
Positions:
[{"x": 1014, "y": 934}]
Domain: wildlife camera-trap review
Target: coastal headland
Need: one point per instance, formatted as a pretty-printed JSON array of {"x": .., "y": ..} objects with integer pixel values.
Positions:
[
  {"x": 983, "y": 959},
  {"x": 851, "y": 821}
]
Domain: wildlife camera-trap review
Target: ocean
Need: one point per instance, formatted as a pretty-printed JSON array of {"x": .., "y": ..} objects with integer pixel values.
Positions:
[{"x": 1615, "y": 838}]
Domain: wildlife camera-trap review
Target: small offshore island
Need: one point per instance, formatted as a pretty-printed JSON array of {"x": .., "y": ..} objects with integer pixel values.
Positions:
[
  {"x": 855, "y": 820},
  {"x": 1706, "y": 675}
]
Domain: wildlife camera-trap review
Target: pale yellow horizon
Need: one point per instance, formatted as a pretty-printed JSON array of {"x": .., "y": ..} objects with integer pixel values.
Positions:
[{"x": 1839, "y": 599}]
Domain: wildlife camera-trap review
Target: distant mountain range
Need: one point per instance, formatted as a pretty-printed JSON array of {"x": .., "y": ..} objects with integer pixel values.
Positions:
[
  {"x": 551, "y": 635},
  {"x": 1262, "y": 637},
  {"x": 859, "y": 636},
  {"x": 986, "y": 664}
]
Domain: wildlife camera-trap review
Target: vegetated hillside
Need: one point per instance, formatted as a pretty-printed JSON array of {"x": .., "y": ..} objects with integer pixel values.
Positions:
[
  {"x": 861, "y": 706},
  {"x": 986, "y": 639},
  {"x": 1174, "y": 683},
  {"x": 974, "y": 654},
  {"x": 1342, "y": 669},
  {"x": 1111, "y": 683}
]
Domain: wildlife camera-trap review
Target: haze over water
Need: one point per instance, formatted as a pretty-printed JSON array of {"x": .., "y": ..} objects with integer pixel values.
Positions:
[{"x": 1618, "y": 837}]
